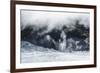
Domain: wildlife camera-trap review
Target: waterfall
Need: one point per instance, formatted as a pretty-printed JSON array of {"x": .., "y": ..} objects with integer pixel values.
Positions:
[{"x": 62, "y": 43}]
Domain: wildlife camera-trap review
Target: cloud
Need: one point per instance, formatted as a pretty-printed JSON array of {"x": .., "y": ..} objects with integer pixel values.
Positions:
[{"x": 53, "y": 19}]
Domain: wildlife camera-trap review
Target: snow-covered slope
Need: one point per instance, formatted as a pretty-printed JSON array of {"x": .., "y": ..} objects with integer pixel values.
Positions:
[{"x": 32, "y": 53}]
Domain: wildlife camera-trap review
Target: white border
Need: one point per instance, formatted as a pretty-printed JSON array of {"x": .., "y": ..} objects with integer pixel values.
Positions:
[{"x": 51, "y": 64}]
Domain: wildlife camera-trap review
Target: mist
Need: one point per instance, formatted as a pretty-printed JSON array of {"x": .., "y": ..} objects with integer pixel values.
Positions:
[{"x": 52, "y": 19}]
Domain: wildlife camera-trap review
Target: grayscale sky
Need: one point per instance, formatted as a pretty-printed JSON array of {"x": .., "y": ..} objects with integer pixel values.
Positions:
[{"x": 53, "y": 19}]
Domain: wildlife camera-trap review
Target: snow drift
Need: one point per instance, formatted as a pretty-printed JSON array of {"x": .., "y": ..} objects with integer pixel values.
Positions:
[{"x": 31, "y": 53}]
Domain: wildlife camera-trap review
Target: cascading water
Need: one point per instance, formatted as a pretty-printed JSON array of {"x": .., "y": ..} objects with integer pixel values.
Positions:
[{"x": 62, "y": 43}]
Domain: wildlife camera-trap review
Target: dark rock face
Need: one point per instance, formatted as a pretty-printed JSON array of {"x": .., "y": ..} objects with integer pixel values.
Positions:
[{"x": 53, "y": 38}]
